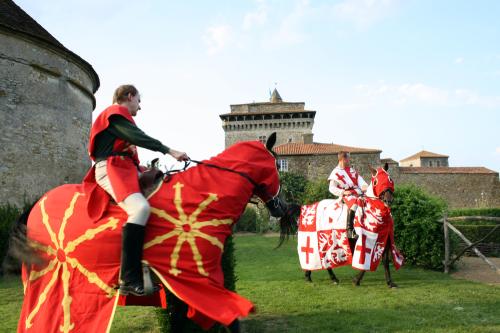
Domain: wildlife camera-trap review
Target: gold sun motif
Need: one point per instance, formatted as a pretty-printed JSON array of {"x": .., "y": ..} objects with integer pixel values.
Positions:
[
  {"x": 61, "y": 260},
  {"x": 187, "y": 228}
]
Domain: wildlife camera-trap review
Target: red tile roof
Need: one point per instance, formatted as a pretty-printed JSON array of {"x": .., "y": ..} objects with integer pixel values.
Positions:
[
  {"x": 423, "y": 153},
  {"x": 318, "y": 149},
  {"x": 449, "y": 170},
  {"x": 388, "y": 160}
]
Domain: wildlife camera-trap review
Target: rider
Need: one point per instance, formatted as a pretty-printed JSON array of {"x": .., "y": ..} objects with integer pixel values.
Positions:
[
  {"x": 113, "y": 140},
  {"x": 347, "y": 183}
]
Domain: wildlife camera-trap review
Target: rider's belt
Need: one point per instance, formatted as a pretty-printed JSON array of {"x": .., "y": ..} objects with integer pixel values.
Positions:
[{"x": 124, "y": 154}]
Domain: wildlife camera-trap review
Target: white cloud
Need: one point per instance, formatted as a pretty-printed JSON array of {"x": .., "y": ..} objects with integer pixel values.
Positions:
[
  {"x": 291, "y": 27},
  {"x": 407, "y": 93},
  {"x": 217, "y": 37},
  {"x": 459, "y": 60},
  {"x": 257, "y": 17},
  {"x": 497, "y": 151},
  {"x": 364, "y": 13}
]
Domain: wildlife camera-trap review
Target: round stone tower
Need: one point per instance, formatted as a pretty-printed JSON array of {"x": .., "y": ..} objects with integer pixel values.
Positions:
[{"x": 46, "y": 103}]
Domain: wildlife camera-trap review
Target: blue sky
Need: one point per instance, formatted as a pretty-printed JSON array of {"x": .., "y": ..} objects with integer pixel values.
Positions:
[{"x": 400, "y": 76}]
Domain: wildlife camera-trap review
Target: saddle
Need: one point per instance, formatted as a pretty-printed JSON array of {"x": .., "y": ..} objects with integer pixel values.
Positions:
[{"x": 149, "y": 180}]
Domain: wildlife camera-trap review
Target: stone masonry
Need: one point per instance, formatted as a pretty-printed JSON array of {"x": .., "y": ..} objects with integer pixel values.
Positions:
[{"x": 46, "y": 103}]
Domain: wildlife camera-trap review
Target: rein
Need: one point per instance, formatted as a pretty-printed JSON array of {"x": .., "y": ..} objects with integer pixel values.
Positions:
[{"x": 186, "y": 164}]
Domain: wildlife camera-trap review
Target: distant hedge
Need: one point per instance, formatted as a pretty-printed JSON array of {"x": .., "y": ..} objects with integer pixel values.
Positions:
[
  {"x": 475, "y": 212},
  {"x": 418, "y": 234}
]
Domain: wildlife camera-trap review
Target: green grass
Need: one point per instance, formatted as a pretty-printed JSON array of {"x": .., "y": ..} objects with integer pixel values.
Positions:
[
  {"x": 127, "y": 319},
  {"x": 424, "y": 302}
]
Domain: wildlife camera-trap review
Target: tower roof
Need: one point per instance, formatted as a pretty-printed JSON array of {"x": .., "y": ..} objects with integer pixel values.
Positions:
[
  {"x": 15, "y": 20},
  {"x": 275, "y": 97}
]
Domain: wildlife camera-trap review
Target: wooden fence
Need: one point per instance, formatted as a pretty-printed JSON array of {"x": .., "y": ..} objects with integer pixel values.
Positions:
[{"x": 470, "y": 245}]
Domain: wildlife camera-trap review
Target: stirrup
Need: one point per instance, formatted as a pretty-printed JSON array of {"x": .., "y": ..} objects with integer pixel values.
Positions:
[
  {"x": 137, "y": 289},
  {"x": 352, "y": 234}
]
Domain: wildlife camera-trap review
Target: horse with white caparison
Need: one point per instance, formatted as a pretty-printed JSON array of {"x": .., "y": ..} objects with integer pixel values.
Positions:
[{"x": 322, "y": 236}]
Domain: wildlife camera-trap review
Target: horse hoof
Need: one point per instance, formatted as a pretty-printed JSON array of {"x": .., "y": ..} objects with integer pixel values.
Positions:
[
  {"x": 335, "y": 281},
  {"x": 309, "y": 280},
  {"x": 392, "y": 285},
  {"x": 356, "y": 283}
]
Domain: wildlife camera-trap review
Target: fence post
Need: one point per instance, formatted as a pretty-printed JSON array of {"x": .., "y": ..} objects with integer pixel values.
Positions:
[{"x": 446, "y": 243}]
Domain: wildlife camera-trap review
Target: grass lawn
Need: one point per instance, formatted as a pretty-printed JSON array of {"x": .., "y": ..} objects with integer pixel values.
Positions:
[{"x": 425, "y": 302}]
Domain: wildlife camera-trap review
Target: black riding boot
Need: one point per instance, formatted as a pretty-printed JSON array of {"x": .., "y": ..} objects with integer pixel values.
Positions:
[
  {"x": 350, "y": 224},
  {"x": 131, "y": 266}
]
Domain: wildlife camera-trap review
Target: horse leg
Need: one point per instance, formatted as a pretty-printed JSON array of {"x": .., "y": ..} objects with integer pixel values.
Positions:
[
  {"x": 178, "y": 314},
  {"x": 356, "y": 281},
  {"x": 385, "y": 259},
  {"x": 234, "y": 327},
  {"x": 332, "y": 276},
  {"x": 308, "y": 276}
]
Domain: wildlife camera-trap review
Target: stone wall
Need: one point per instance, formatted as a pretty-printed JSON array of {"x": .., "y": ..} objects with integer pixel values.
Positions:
[
  {"x": 46, "y": 105},
  {"x": 466, "y": 190},
  {"x": 315, "y": 167},
  {"x": 287, "y": 130}
]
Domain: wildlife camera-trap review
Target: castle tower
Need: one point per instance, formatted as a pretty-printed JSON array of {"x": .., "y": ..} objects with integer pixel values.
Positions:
[
  {"x": 46, "y": 103},
  {"x": 256, "y": 121}
]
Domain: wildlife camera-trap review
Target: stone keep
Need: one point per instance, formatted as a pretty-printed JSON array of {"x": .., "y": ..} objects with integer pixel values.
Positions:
[
  {"x": 256, "y": 121},
  {"x": 46, "y": 103}
]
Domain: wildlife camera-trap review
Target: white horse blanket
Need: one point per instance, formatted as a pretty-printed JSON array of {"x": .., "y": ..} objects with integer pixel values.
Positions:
[{"x": 322, "y": 236}]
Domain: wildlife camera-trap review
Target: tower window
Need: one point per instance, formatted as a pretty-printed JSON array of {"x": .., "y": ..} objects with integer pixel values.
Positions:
[{"x": 263, "y": 139}]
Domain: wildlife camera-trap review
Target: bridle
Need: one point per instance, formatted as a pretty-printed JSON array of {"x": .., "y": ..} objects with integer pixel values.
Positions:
[{"x": 273, "y": 203}]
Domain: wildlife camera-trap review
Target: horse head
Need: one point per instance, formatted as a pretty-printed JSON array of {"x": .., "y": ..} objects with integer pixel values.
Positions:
[{"x": 382, "y": 184}]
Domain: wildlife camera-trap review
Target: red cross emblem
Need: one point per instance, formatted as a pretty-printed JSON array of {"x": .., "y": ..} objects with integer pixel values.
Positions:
[
  {"x": 363, "y": 249},
  {"x": 307, "y": 249}
]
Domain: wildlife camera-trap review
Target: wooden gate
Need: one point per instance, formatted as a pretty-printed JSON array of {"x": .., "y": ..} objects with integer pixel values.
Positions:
[{"x": 470, "y": 245}]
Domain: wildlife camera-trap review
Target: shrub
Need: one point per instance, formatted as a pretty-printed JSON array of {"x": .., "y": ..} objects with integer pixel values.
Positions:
[
  {"x": 264, "y": 223},
  {"x": 293, "y": 187},
  {"x": 418, "y": 234},
  {"x": 475, "y": 232},
  {"x": 315, "y": 191},
  {"x": 475, "y": 212},
  {"x": 8, "y": 215},
  {"x": 247, "y": 221}
]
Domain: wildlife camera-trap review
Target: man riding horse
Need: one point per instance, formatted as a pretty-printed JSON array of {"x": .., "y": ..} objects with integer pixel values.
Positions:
[
  {"x": 113, "y": 140},
  {"x": 347, "y": 183}
]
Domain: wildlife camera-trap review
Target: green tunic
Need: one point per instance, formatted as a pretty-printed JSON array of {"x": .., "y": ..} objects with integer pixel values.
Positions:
[{"x": 121, "y": 128}]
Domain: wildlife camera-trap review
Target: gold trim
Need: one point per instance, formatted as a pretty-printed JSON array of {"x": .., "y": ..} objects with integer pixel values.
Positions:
[
  {"x": 42, "y": 298},
  {"x": 112, "y": 317}
]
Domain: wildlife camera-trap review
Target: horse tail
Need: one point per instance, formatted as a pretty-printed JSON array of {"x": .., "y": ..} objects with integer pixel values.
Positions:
[
  {"x": 19, "y": 250},
  {"x": 288, "y": 222}
]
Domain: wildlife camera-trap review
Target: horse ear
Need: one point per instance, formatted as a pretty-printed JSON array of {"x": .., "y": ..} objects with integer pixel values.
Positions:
[
  {"x": 372, "y": 170},
  {"x": 386, "y": 166},
  {"x": 271, "y": 141},
  {"x": 154, "y": 163}
]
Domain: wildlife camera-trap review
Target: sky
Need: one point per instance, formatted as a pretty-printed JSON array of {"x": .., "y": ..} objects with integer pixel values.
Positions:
[{"x": 400, "y": 76}]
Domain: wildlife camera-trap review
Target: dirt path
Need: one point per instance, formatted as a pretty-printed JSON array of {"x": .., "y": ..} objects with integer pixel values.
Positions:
[{"x": 475, "y": 269}]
